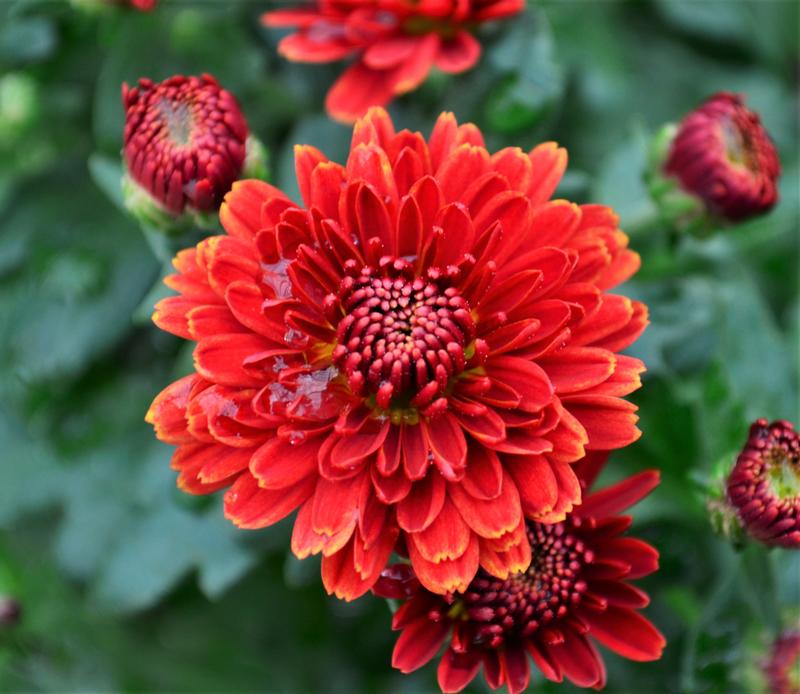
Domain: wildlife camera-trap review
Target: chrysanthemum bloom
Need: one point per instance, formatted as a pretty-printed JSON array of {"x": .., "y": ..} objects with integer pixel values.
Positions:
[
  {"x": 421, "y": 348},
  {"x": 722, "y": 154},
  {"x": 394, "y": 43},
  {"x": 576, "y": 589},
  {"x": 185, "y": 141},
  {"x": 782, "y": 668},
  {"x": 764, "y": 485}
]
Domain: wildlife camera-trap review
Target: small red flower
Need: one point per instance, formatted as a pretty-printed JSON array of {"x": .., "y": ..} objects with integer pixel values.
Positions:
[
  {"x": 420, "y": 349},
  {"x": 576, "y": 589},
  {"x": 143, "y": 5},
  {"x": 184, "y": 141},
  {"x": 764, "y": 485},
  {"x": 723, "y": 154},
  {"x": 782, "y": 668},
  {"x": 395, "y": 43}
]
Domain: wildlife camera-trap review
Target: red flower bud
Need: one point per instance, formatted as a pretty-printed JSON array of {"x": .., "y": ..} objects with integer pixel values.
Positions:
[
  {"x": 723, "y": 154},
  {"x": 764, "y": 485},
  {"x": 184, "y": 141},
  {"x": 782, "y": 668}
]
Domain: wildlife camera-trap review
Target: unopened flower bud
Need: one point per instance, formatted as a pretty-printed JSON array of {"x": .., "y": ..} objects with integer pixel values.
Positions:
[
  {"x": 186, "y": 142},
  {"x": 717, "y": 166}
]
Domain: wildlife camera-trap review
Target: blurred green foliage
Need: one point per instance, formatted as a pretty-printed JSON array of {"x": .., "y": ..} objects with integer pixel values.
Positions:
[{"x": 127, "y": 585}]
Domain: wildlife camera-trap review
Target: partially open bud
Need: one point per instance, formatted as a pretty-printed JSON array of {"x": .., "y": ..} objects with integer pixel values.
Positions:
[
  {"x": 782, "y": 666},
  {"x": 718, "y": 165},
  {"x": 763, "y": 489},
  {"x": 186, "y": 142}
]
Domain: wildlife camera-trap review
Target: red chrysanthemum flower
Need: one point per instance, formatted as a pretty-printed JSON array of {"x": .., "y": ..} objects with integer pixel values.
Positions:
[
  {"x": 419, "y": 349},
  {"x": 764, "y": 485},
  {"x": 395, "y": 43},
  {"x": 723, "y": 154},
  {"x": 185, "y": 141},
  {"x": 782, "y": 668},
  {"x": 576, "y": 589}
]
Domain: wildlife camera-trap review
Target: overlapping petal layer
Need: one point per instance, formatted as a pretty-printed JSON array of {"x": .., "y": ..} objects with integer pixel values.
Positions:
[
  {"x": 394, "y": 43},
  {"x": 416, "y": 352},
  {"x": 576, "y": 591}
]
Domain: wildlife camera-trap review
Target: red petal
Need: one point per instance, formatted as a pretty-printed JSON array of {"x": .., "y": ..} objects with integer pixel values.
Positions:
[
  {"x": 340, "y": 578},
  {"x": 516, "y": 673},
  {"x": 459, "y": 53},
  {"x": 415, "y": 451},
  {"x": 350, "y": 452},
  {"x": 544, "y": 661},
  {"x": 525, "y": 378},
  {"x": 620, "y": 496},
  {"x": 578, "y": 368},
  {"x": 638, "y": 555},
  {"x": 447, "y": 443},
  {"x": 462, "y": 166},
  {"x": 220, "y": 358},
  {"x": 483, "y": 478},
  {"x": 489, "y": 517},
  {"x": 609, "y": 421},
  {"x": 248, "y": 506},
  {"x": 446, "y": 538},
  {"x": 358, "y": 88},
  {"x": 446, "y": 576},
  {"x": 170, "y": 315},
  {"x": 390, "y": 490},
  {"x": 626, "y": 632},
  {"x": 240, "y": 213},
  {"x": 279, "y": 463},
  {"x": 548, "y": 162},
  {"x": 536, "y": 483},
  {"x": 336, "y": 504},
  {"x": 418, "y": 643},
  {"x": 167, "y": 414},
  {"x": 422, "y": 504},
  {"x": 577, "y": 659},
  {"x": 457, "y": 670},
  {"x": 503, "y": 558},
  {"x": 302, "y": 48}
]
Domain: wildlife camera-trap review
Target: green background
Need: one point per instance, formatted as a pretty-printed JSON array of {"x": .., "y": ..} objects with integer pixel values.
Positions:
[{"x": 128, "y": 585}]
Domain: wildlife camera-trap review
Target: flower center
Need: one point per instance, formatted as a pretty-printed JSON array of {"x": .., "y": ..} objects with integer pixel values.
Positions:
[
  {"x": 403, "y": 338},
  {"x": 527, "y": 601},
  {"x": 738, "y": 148},
  {"x": 783, "y": 470},
  {"x": 178, "y": 120}
]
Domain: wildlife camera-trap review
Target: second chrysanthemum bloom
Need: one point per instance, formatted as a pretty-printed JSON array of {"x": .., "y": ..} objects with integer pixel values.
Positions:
[
  {"x": 417, "y": 352},
  {"x": 394, "y": 43}
]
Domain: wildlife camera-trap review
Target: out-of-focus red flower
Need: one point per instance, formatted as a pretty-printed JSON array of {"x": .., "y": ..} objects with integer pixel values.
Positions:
[
  {"x": 722, "y": 154},
  {"x": 782, "y": 667},
  {"x": 184, "y": 142},
  {"x": 10, "y": 612},
  {"x": 143, "y": 5},
  {"x": 419, "y": 350},
  {"x": 764, "y": 485},
  {"x": 395, "y": 43},
  {"x": 575, "y": 590}
]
